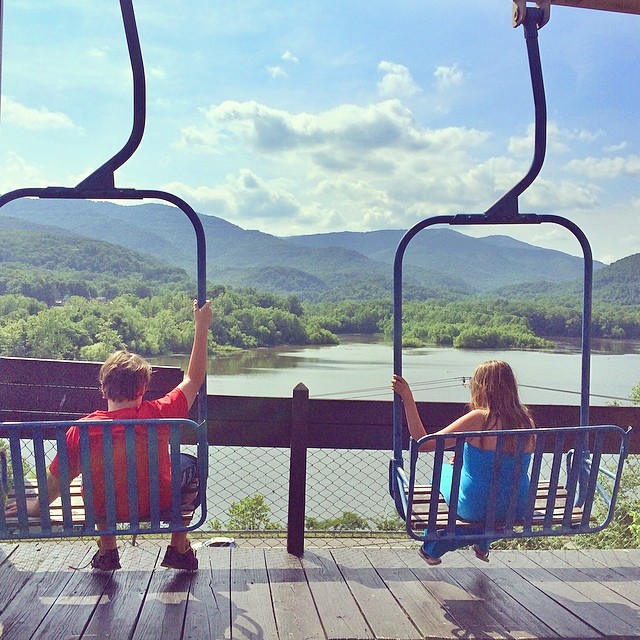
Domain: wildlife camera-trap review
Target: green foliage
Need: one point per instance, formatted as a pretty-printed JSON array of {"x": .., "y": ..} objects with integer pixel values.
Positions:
[
  {"x": 50, "y": 266},
  {"x": 348, "y": 521},
  {"x": 151, "y": 326},
  {"x": 352, "y": 316},
  {"x": 251, "y": 514},
  {"x": 622, "y": 533},
  {"x": 392, "y": 523}
]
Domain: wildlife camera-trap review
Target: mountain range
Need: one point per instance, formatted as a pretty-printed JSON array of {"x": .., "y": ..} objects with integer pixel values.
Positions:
[{"x": 439, "y": 262}]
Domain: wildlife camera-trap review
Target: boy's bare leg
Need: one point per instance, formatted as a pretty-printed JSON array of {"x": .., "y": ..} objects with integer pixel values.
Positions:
[
  {"x": 180, "y": 541},
  {"x": 107, "y": 543}
]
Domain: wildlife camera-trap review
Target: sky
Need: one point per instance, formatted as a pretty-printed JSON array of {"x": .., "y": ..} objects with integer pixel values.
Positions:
[{"x": 307, "y": 117}]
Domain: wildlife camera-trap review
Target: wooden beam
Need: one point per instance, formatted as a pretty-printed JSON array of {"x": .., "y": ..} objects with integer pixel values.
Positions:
[{"x": 622, "y": 6}]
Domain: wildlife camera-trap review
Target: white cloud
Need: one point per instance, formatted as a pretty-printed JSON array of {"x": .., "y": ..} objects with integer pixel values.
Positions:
[
  {"x": 346, "y": 129},
  {"x": 614, "y": 148},
  {"x": 242, "y": 198},
  {"x": 552, "y": 195},
  {"x": 606, "y": 168},
  {"x": 15, "y": 170},
  {"x": 276, "y": 72},
  {"x": 96, "y": 52},
  {"x": 289, "y": 57},
  {"x": 559, "y": 140},
  {"x": 396, "y": 81},
  {"x": 448, "y": 77},
  {"x": 158, "y": 73},
  {"x": 33, "y": 119}
]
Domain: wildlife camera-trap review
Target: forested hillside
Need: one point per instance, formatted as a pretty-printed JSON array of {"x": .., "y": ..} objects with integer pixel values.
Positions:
[
  {"x": 439, "y": 262},
  {"x": 48, "y": 265},
  {"x": 66, "y": 295}
]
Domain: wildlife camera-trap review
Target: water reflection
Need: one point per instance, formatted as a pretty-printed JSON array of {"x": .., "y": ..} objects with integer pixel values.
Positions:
[{"x": 359, "y": 369}]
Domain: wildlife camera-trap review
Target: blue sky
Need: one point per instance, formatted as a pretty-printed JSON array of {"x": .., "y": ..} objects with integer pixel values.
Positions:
[{"x": 308, "y": 117}]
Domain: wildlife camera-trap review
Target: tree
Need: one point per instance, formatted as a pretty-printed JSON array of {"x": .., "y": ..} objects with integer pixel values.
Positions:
[{"x": 251, "y": 514}]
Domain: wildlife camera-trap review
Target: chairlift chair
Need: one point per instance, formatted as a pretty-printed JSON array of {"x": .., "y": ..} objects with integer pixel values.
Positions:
[
  {"x": 560, "y": 503},
  {"x": 100, "y": 185}
]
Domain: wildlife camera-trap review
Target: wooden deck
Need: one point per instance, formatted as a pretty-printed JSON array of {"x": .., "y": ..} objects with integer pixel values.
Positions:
[{"x": 265, "y": 593}]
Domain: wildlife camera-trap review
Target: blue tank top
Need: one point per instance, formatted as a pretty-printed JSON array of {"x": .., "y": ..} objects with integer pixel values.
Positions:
[{"x": 475, "y": 483}]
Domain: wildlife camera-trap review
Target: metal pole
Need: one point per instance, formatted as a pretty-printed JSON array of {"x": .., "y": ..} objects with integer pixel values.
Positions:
[{"x": 1, "y": 30}]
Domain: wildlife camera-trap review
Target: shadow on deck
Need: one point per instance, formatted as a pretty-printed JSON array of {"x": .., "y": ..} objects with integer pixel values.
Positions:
[{"x": 257, "y": 593}]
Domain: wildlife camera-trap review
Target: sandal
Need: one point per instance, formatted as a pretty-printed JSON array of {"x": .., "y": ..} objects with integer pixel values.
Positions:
[
  {"x": 480, "y": 554},
  {"x": 428, "y": 559}
]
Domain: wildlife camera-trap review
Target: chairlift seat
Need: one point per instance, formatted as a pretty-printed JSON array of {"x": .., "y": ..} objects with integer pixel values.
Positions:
[
  {"x": 567, "y": 474},
  {"x": 72, "y": 513}
]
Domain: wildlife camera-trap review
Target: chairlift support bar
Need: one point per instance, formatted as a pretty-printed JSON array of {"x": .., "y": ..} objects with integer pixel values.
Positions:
[
  {"x": 504, "y": 211},
  {"x": 100, "y": 185}
]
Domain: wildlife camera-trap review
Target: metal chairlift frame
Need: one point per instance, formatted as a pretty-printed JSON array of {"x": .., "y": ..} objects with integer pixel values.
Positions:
[
  {"x": 100, "y": 185},
  {"x": 504, "y": 211}
]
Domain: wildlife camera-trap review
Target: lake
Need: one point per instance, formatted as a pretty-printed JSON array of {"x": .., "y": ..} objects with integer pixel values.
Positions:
[{"x": 360, "y": 368}]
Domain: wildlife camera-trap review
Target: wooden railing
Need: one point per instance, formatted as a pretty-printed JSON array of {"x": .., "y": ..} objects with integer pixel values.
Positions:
[{"x": 63, "y": 390}]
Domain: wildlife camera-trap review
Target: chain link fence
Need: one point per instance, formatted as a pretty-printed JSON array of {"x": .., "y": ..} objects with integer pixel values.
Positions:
[{"x": 347, "y": 500}]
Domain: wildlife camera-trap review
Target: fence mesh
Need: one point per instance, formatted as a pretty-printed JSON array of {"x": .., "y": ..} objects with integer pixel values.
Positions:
[{"x": 347, "y": 500}]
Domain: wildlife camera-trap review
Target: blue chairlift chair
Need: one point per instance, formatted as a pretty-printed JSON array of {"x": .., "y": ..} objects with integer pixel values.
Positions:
[
  {"x": 566, "y": 465},
  {"x": 70, "y": 516}
]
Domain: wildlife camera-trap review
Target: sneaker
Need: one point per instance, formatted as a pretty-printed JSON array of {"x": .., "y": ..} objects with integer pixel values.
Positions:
[
  {"x": 109, "y": 561},
  {"x": 428, "y": 559},
  {"x": 186, "y": 561}
]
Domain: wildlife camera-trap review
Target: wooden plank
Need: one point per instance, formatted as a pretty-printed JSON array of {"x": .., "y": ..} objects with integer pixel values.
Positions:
[
  {"x": 295, "y": 611},
  {"x": 6, "y": 550},
  {"x": 621, "y": 581},
  {"x": 55, "y": 508},
  {"x": 380, "y": 608},
  {"x": 623, "y": 561},
  {"x": 340, "y": 614},
  {"x": 51, "y": 372},
  {"x": 571, "y": 590},
  {"x": 24, "y": 614},
  {"x": 247, "y": 421},
  {"x": 116, "y": 615},
  {"x": 424, "y": 611},
  {"x": 19, "y": 562},
  {"x": 621, "y": 6},
  {"x": 209, "y": 605},
  {"x": 468, "y": 614},
  {"x": 75, "y": 374},
  {"x": 421, "y": 508},
  {"x": 477, "y": 578},
  {"x": 165, "y": 605},
  {"x": 51, "y": 400},
  {"x": 73, "y": 607},
  {"x": 251, "y": 611},
  {"x": 564, "y": 623},
  {"x": 592, "y": 583}
]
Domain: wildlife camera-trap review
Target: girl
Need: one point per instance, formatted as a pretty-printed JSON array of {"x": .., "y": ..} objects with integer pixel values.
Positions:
[{"x": 494, "y": 405}]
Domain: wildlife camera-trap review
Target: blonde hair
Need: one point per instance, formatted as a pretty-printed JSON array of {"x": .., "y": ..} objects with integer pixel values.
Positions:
[
  {"x": 495, "y": 391},
  {"x": 124, "y": 376}
]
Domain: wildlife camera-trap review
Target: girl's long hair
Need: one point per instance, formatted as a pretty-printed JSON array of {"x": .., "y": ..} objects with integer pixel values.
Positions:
[{"x": 494, "y": 389}]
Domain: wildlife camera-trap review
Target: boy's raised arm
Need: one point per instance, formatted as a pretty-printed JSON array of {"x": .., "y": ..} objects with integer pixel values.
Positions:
[{"x": 197, "y": 369}]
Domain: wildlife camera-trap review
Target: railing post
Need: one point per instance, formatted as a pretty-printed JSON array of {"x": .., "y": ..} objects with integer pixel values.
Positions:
[{"x": 297, "y": 470}]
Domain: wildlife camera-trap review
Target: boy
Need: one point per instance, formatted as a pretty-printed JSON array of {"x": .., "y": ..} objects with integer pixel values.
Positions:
[{"x": 123, "y": 380}]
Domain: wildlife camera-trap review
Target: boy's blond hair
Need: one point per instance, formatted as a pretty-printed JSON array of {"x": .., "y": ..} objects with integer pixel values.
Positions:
[{"x": 124, "y": 376}]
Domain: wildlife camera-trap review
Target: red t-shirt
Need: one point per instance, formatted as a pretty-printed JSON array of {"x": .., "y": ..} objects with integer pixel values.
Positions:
[{"x": 173, "y": 405}]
